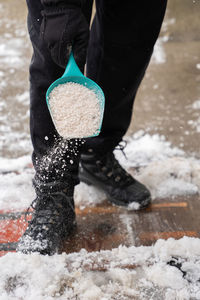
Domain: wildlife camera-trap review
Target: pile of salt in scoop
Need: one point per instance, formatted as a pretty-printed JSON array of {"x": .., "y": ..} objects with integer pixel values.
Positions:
[{"x": 75, "y": 110}]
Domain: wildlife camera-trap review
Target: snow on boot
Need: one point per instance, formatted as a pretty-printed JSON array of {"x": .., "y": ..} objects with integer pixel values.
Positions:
[
  {"x": 53, "y": 219},
  {"x": 105, "y": 172}
]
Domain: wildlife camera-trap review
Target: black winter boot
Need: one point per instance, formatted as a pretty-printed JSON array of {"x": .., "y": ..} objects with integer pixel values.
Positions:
[
  {"x": 52, "y": 221},
  {"x": 105, "y": 172}
]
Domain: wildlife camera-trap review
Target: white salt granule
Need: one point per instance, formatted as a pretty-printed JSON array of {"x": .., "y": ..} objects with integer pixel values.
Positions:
[{"x": 75, "y": 110}]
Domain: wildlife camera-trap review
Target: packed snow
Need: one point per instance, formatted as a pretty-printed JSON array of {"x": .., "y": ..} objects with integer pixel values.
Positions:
[{"x": 123, "y": 273}]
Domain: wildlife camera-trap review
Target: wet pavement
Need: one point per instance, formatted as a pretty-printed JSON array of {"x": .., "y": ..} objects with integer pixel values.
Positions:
[
  {"x": 15, "y": 53},
  {"x": 104, "y": 227},
  {"x": 172, "y": 82}
]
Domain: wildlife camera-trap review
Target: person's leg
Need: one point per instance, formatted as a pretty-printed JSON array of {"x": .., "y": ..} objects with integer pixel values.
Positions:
[
  {"x": 122, "y": 38},
  {"x": 43, "y": 71},
  {"x": 121, "y": 44},
  {"x": 55, "y": 160},
  {"x": 48, "y": 164}
]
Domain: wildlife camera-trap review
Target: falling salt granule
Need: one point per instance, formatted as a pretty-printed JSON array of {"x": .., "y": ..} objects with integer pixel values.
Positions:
[{"x": 75, "y": 110}]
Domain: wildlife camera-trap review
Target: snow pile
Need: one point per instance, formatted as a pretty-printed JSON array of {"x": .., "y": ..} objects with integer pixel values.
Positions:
[
  {"x": 164, "y": 169},
  {"x": 123, "y": 273},
  {"x": 143, "y": 148},
  {"x": 16, "y": 190},
  {"x": 14, "y": 164},
  {"x": 88, "y": 195},
  {"x": 16, "y": 183}
]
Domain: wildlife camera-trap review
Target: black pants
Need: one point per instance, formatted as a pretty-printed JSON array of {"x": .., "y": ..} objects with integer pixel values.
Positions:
[{"x": 122, "y": 38}]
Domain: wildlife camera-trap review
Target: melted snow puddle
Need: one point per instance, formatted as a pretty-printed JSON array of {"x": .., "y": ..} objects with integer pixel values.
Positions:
[{"x": 123, "y": 273}]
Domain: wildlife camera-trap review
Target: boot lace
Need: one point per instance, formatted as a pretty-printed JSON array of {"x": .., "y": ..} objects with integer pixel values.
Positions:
[
  {"x": 50, "y": 208},
  {"x": 113, "y": 170}
]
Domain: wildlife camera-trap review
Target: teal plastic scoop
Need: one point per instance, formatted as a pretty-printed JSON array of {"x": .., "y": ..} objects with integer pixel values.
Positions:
[{"x": 73, "y": 74}]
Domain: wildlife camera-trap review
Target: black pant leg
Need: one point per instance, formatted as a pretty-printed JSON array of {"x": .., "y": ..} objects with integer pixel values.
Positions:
[
  {"x": 121, "y": 43},
  {"x": 43, "y": 71}
]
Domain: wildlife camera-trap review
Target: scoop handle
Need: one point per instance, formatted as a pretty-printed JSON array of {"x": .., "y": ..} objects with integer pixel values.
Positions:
[{"x": 72, "y": 69}]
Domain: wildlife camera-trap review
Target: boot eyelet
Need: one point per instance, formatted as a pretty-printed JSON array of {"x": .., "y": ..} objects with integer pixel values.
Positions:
[
  {"x": 118, "y": 178},
  {"x": 109, "y": 174}
]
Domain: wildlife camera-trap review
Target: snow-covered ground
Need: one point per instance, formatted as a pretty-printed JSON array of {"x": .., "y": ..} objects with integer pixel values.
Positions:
[
  {"x": 166, "y": 170},
  {"x": 121, "y": 274}
]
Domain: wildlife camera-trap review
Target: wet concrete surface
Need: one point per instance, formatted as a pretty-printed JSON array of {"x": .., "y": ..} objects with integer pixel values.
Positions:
[
  {"x": 15, "y": 53},
  {"x": 104, "y": 227},
  {"x": 169, "y": 89}
]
